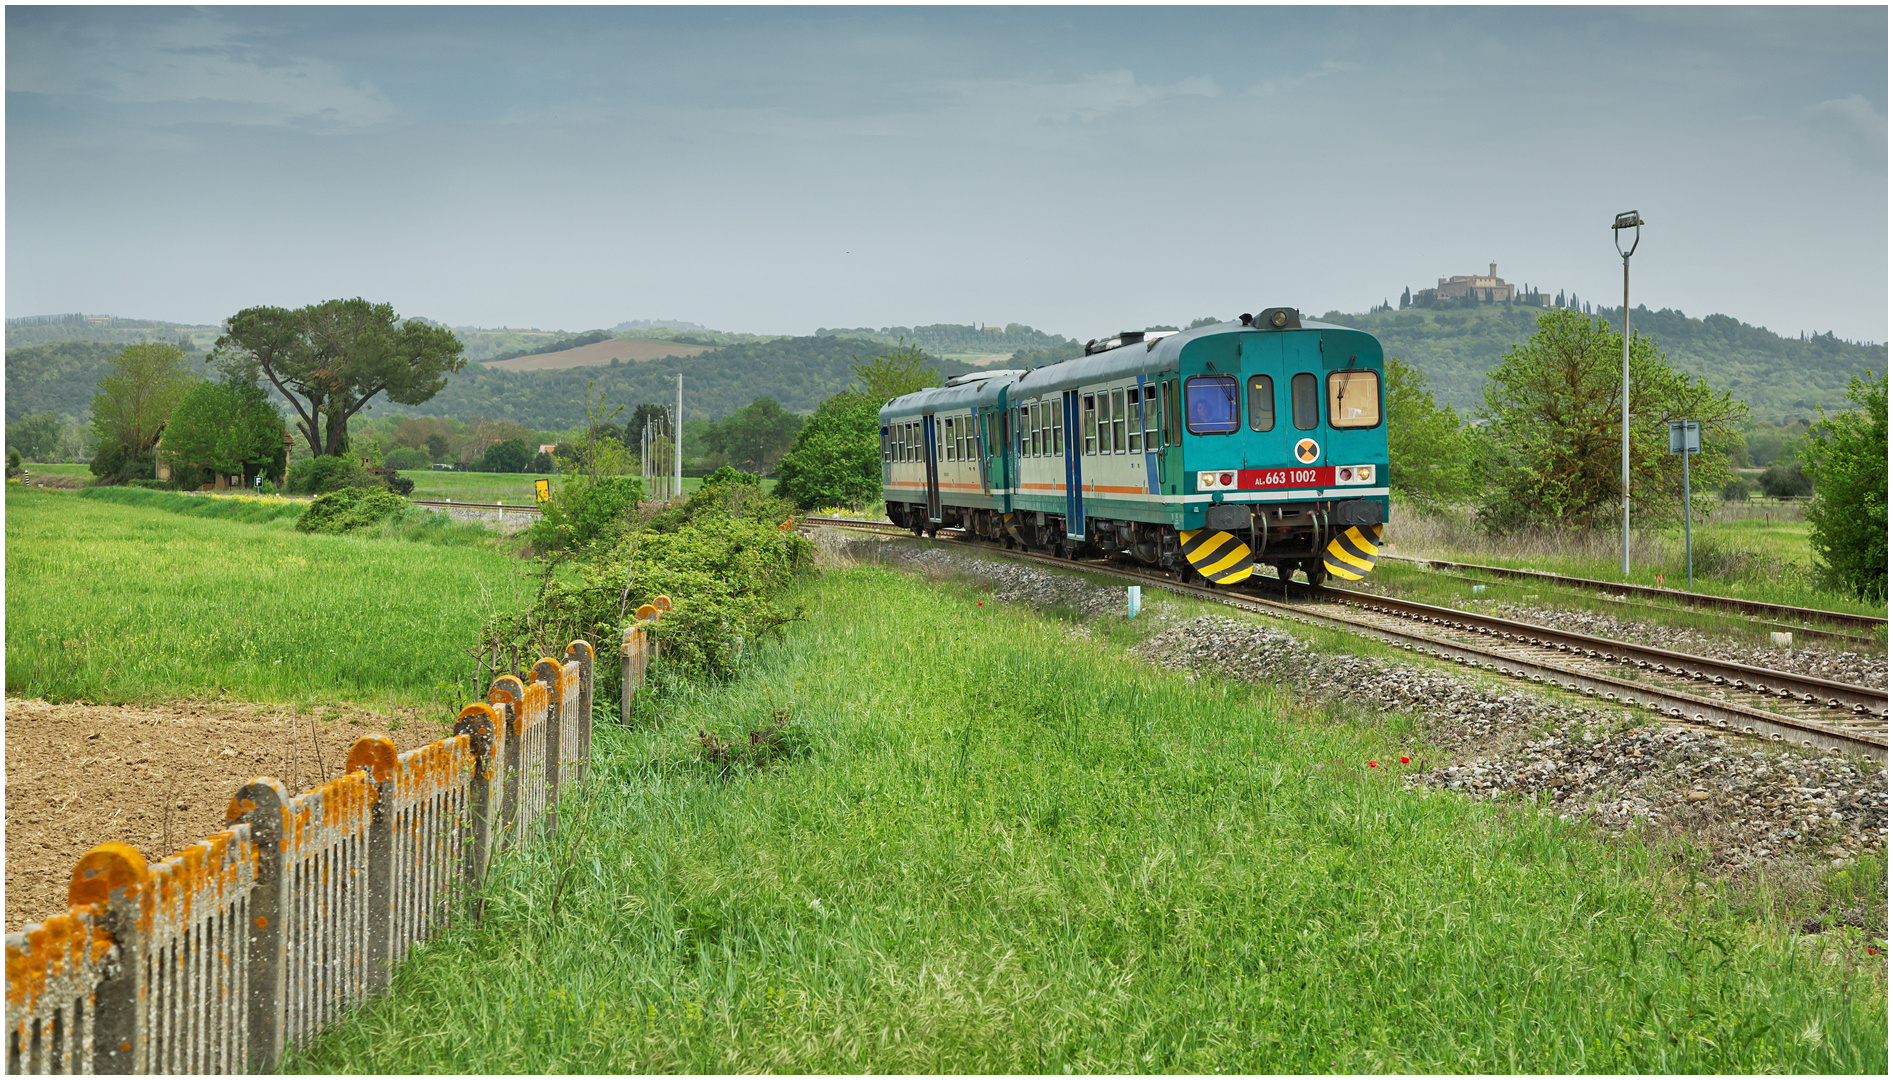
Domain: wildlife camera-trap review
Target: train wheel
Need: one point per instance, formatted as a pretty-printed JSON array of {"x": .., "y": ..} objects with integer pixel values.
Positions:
[{"x": 1317, "y": 572}]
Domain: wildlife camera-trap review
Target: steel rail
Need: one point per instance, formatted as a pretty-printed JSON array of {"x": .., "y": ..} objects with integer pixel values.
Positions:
[
  {"x": 1692, "y": 599},
  {"x": 475, "y": 506},
  {"x": 1673, "y": 705},
  {"x": 1810, "y": 689}
]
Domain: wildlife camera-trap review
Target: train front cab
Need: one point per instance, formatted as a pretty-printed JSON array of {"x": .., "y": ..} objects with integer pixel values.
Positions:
[{"x": 1284, "y": 451}]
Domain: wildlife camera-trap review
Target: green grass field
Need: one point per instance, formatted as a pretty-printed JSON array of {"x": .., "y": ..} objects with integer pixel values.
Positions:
[
  {"x": 1756, "y": 552},
  {"x": 514, "y": 489},
  {"x": 109, "y": 602},
  {"x": 1009, "y": 848}
]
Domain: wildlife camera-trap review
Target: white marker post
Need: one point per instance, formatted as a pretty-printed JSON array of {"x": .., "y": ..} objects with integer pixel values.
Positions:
[{"x": 1134, "y": 596}]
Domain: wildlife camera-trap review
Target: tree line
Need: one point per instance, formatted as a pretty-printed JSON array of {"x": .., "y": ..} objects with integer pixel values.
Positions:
[{"x": 1544, "y": 448}]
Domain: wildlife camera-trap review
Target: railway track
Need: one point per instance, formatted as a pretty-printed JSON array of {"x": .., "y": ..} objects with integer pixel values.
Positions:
[
  {"x": 1774, "y": 705},
  {"x": 1796, "y": 618},
  {"x": 503, "y": 508}
]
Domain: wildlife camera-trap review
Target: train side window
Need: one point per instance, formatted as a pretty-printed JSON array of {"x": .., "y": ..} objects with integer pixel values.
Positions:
[
  {"x": 1134, "y": 403},
  {"x": 1117, "y": 421},
  {"x": 1058, "y": 430},
  {"x": 1169, "y": 425},
  {"x": 1353, "y": 399},
  {"x": 1261, "y": 403},
  {"x": 1153, "y": 419},
  {"x": 1104, "y": 422},
  {"x": 1038, "y": 429},
  {"x": 1088, "y": 423},
  {"x": 1305, "y": 401},
  {"x": 1174, "y": 411},
  {"x": 884, "y": 445},
  {"x": 1211, "y": 403},
  {"x": 951, "y": 444}
]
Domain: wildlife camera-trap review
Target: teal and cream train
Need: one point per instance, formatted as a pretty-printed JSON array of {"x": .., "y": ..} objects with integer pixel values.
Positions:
[{"x": 1205, "y": 452}]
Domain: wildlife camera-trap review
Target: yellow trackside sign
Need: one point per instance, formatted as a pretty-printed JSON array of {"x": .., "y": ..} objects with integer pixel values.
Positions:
[{"x": 543, "y": 489}]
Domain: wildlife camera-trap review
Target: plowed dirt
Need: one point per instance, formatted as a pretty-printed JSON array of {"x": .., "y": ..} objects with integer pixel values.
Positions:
[
  {"x": 78, "y": 775},
  {"x": 598, "y": 354}
]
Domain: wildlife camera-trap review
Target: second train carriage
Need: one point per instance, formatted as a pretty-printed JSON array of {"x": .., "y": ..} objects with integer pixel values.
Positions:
[{"x": 1260, "y": 441}]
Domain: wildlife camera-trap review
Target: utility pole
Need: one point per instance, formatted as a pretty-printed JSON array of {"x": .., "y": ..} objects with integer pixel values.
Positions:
[
  {"x": 1629, "y": 219},
  {"x": 677, "y": 438}
]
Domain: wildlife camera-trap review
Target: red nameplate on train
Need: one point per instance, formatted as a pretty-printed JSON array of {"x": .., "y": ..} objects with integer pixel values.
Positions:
[{"x": 1305, "y": 477}]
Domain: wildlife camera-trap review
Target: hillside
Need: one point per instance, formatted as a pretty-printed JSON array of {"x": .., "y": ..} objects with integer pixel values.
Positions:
[
  {"x": 597, "y": 354},
  {"x": 61, "y": 376},
  {"x": 45, "y": 329},
  {"x": 798, "y": 372},
  {"x": 1777, "y": 376},
  {"x": 960, "y": 341}
]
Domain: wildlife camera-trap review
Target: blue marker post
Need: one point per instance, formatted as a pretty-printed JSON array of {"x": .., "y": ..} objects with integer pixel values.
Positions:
[{"x": 1134, "y": 594}]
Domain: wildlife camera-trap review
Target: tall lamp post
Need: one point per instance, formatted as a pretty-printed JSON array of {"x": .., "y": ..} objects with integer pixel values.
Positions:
[{"x": 1629, "y": 219}]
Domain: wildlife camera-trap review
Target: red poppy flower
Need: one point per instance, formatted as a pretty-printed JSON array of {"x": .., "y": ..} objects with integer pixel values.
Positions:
[
  {"x": 982, "y": 603},
  {"x": 1373, "y": 764},
  {"x": 1403, "y": 761}
]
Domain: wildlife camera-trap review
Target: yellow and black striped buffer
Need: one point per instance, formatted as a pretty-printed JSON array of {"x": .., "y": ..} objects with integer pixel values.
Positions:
[
  {"x": 1351, "y": 555},
  {"x": 1012, "y": 523},
  {"x": 1217, "y": 555}
]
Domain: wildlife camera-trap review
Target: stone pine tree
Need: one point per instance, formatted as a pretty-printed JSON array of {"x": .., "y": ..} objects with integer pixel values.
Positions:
[{"x": 331, "y": 359}]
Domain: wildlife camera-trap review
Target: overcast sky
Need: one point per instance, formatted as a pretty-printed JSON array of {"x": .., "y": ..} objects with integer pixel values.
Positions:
[{"x": 1083, "y": 170}]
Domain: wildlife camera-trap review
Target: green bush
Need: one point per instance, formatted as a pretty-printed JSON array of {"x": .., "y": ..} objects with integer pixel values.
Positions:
[
  {"x": 510, "y": 456},
  {"x": 721, "y": 556},
  {"x": 406, "y": 457},
  {"x": 1785, "y": 481},
  {"x": 1738, "y": 489},
  {"x": 351, "y": 509},
  {"x": 1848, "y": 515},
  {"x": 584, "y": 512},
  {"x": 314, "y": 476}
]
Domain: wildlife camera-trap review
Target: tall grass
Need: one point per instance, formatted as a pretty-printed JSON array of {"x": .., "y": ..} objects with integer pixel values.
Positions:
[
  {"x": 112, "y": 602},
  {"x": 413, "y": 523},
  {"x": 1010, "y": 850},
  {"x": 1751, "y": 552},
  {"x": 513, "y": 489}
]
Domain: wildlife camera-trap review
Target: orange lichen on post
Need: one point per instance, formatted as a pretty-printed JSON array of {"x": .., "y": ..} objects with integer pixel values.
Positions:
[
  {"x": 61, "y": 946},
  {"x": 375, "y": 753},
  {"x": 470, "y": 717},
  {"x": 436, "y": 767},
  {"x": 106, "y": 868},
  {"x": 662, "y": 603},
  {"x": 506, "y": 690},
  {"x": 580, "y": 650},
  {"x": 647, "y": 612},
  {"x": 537, "y": 699}
]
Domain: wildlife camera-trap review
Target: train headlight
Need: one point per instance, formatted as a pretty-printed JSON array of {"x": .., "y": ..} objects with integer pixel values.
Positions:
[
  {"x": 1278, "y": 319},
  {"x": 1209, "y": 481},
  {"x": 1365, "y": 474},
  {"x": 1354, "y": 474}
]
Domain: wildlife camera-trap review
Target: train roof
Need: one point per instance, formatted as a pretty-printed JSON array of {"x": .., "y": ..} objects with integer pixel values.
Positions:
[{"x": 1135, "y": 358}]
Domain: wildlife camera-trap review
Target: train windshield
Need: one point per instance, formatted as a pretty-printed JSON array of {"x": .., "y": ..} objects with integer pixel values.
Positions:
[
  {"x": 1210, "y": 404},
  {"x": 1353, "y": 399}
]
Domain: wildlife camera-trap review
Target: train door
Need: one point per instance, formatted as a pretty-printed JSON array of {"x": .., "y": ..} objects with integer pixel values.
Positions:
[
  {"x": 1074, "y": 473},
  {"x": 930, "y": 442},
  {"x": 1267, "y": 415},
  {"x": 1170, "y": 435}
]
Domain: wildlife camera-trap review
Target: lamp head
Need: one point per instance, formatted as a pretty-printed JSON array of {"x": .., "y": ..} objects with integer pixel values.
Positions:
[{"x": 1629, "y": 219}]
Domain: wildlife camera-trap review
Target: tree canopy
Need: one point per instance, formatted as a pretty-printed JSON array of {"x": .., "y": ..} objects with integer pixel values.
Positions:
[
  {"x": 136, "y": 398},
  {"x": 836, "y": 459},
  {"x": 887, "y": 376},
  {"x": 229, "y": 428},
  {"x": 1553, "y": 427},
  {"x": 1426, "y": 442},
  {"x": 757, "y": 435},
  {"x": 331, "y": 359},
  {"x": 1847, "y": 454}
]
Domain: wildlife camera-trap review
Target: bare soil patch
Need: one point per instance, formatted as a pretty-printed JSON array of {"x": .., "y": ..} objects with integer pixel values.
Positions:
[
  {"x": 78, "y": 775},
  {"x": 599, "y": 354}
]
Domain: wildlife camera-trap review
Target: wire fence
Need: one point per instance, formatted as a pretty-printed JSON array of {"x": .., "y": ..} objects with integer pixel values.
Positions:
[{"x": 224, "y": 956}]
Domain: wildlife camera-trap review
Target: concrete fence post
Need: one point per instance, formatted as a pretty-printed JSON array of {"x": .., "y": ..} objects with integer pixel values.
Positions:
[
  {"x": 546, "y": 672},
  {"x": 483, "y": 724},
  {"x": 260, "y": 805},
  {"x": 376, "y": 755},
  {"x": 506, "y": 696},
  {"x": 113, "y": 878},
  {"x": 582, "y": 652}
]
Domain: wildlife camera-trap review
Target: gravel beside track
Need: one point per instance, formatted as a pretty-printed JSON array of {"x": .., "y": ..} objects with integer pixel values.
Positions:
[
  {"x": 1748, "y": 804},
  {"x": 1858, "y": 669}
]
